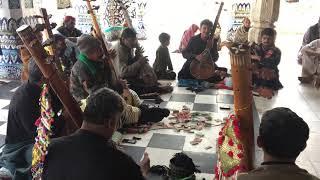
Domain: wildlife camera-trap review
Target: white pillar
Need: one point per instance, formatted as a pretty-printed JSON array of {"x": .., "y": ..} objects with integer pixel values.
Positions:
[{"x": 263, "y": 15}]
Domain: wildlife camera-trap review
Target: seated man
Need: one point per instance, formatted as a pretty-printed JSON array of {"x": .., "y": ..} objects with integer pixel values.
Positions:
[
  {"x": 311, "y": 35},
  {"x": 134, "y": 67},
  {"x": 265, "y": 59},
  {"x": 193, "y": 51},
  {"x": 91, "y": 72},
  {"x": 60, "y": 49},
  {"x": 241, "y": 34},
  {"x": 310, "y": 62},
  {"x": 282, "y": 136},
  {"x": 68, "y": 28},
  {"x": 88, "y": 153},
  {"x": 24, "y": 110},
  {"x": 25, "y": 55}
]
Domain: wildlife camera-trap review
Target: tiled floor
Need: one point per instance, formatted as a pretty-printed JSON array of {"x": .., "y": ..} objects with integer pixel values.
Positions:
[
  {"x": 303, "y": 99},
  {"x": 163, "y": 144}
]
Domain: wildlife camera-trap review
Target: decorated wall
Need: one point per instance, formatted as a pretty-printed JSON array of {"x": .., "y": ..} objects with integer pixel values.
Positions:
[{"x": 14, "y": 13}]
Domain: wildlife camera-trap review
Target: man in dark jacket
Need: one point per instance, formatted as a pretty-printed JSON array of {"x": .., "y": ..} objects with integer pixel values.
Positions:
[
  {"x": 68, "y": 28},
  {"x": 88, "y": 153},
  {"x": 195, "y": 48},
  {"x": 24, "y": 110}
]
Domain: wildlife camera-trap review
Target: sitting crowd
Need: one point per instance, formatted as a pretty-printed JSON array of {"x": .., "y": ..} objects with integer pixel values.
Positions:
[{"x": 109, "y": 96}]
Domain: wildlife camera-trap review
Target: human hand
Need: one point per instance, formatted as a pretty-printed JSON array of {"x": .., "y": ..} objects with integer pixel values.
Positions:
[
  {"x": 255, "y": 57},
  {"x": 222, "y": 74},
  {"x": 124, "y": 83},
  {"x": 143, "y": 59},
  {"x": 145, "y": 164},
  {"x": 112, "y": 53},
  {"x": 199, "y": 57}
]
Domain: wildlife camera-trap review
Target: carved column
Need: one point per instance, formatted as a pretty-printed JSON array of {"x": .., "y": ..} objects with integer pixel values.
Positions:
[{"x": 263, "y": 15}]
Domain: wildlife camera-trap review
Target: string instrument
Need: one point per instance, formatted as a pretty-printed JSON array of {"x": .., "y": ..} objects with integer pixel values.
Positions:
[
  {"x": 48, "y": 69},
  {"x": 205, "y": 67},
  {"x": 49, "y": 35},
  {"x": 98, "y": 35}
]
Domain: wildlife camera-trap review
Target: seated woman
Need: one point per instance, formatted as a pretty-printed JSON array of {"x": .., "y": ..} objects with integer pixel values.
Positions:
[
  {"x": 187, "y": 35},
  {"x": 265, "y": 59}
]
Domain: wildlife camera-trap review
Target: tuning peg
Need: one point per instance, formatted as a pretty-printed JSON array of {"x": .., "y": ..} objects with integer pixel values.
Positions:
[
  {"x": 53, "y": 25},
  {"x": 37, "y": 16},
  {"x": 95, "y": 7},
  {"x": 40, "y": 27},
  {"x": 49, "y": 16}
]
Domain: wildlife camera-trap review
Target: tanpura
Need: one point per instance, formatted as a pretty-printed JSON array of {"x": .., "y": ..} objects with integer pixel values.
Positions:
[{"x": 204, "y": 68}]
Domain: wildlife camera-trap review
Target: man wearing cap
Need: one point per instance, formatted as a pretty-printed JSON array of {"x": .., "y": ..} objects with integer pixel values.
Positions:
[
  {"x": 24, "y": 110},
  {"x": 68, "y": 28},
  {"x": 91, "y": 72}
]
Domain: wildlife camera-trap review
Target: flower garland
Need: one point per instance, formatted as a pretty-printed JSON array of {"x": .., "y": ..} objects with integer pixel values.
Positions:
[
  {"x": 230, "y": 149},
  {"x": 44, "y": 131}
]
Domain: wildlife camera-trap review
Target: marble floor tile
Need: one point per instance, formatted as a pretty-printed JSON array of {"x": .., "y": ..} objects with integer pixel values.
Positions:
[
  {"x": 205, "y": 161},
  {"x": 201, "y": 147},
  {"x": 3, "y": 129},
  {"x": 135, "y": 152},
  {"x": 183, "y": 98},
  {"x": 3, "y": 115},
  {"x": 166, "y": 97},
  {"x": 205, "y": 107},
  {"x": 182, "y": 90},
  {"x": 224, "y": 91},
  {"x": 225, "y": 98},
  {"x": 145, "y": 138},
  {"x": 166, "y": 141},
  {"x": 2, "y": 140},
  {"x": 160, "y": 156},
  {"x": 209, "y": 92},
  {"x": 205, "y": 99},
  {"x": 178, "y": 105},
  {"x": 4, "y": 103}
]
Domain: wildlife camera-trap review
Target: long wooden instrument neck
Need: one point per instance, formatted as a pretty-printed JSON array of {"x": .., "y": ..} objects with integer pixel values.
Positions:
[{"x": 215, "y": 24}]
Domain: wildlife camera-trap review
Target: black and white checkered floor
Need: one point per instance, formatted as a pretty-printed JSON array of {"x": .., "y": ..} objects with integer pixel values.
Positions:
[{"x": 162, "y": 144}]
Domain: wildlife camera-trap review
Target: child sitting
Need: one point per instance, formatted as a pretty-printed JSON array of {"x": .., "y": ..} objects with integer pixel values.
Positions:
[
  {"x": 265, "y": 59},
  {"x": 163, "y": 60}
]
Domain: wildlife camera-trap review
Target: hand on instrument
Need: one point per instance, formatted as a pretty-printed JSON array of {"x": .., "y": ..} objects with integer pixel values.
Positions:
[
  {"x": 112, "y": 53},
  {"x": 139, "y": 51},
  {"x": 199, "y": 57},
  {"x": 255, "y": 57}
]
